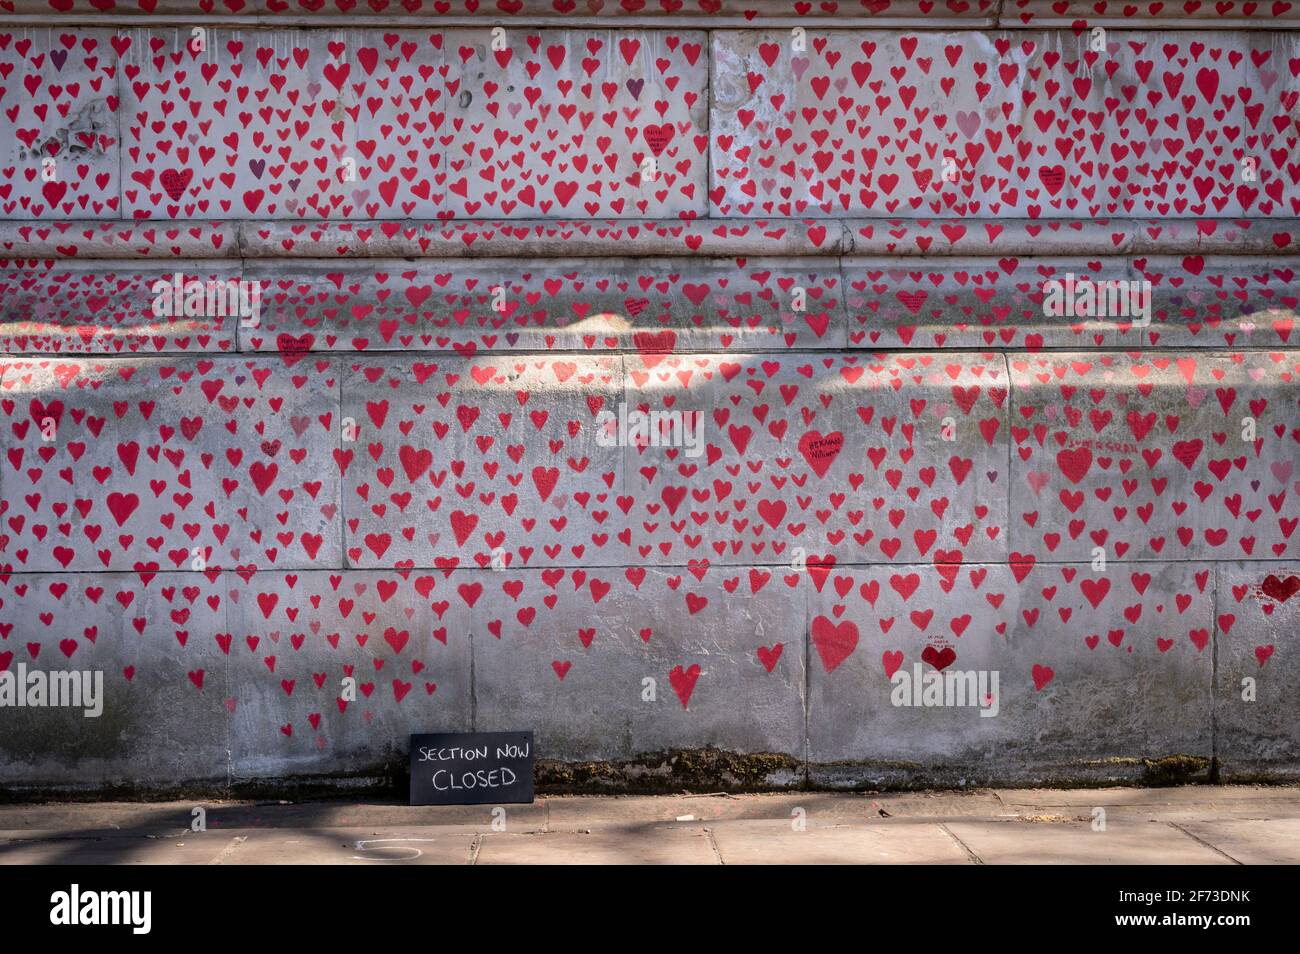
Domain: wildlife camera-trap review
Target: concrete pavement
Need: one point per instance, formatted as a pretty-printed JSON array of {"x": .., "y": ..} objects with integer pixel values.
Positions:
[{"x": 1221, "y": 825}]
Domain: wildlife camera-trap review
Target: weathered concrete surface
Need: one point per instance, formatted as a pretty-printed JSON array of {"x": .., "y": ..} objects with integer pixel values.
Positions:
[
  {"x": 670, "y": 846},
  {"x": 611, "y": 665},
  {"x": 1211, "y": 824},
  {"x": 108, "y": 308},
  {"x": 561, "y": 123},
  {"x": 67, "y": 238},
  {"x": 164, "y": 679},
  {"x": 1256, "y": 688},
  {"x": 353, "y": 149},
  {"x": 1070, "y": 648},
  {"x": 883, "y": 12},
  {"x": 59, "y": 124},
  {"x": 158, "y": 462},
  {"x": 460, "y": 465}
]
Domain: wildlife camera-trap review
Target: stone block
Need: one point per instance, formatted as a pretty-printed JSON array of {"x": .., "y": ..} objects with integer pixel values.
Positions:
[
  {"x": 543, "y": 238},
  {"x": 1217, "y": 301},
  {"x": 617, "y": 663},
  {"x": 1154, "y": 456},
  {"x": 153, "y": 462},
  {"x": 577, "y": 123},
  {"x": 294, "y": 638},
  {"x": 1095, "y": 672},
  {"x": 59, "y": 144},
  {"x": 808, "y": 456},
  {"x": 1034, "y": 125},
  {"x": 284, "y": 124},
  {"x": 972, "y": 303},
  {"x": 149, "y": 637},
  {"x": 467, "y": 461}
]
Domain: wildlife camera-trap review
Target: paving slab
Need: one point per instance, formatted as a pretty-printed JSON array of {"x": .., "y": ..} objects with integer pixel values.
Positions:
[
  {"x": 62, "y": 848},
  {"x": 350, "y": 846},
  {"x": 1269, "y": 841},
  {"x": 1190, "y": 824},
  {"x": 903, "y": 843},
  {"x": 644, "y": 845},
  {"x": 1061, "y": 842}
]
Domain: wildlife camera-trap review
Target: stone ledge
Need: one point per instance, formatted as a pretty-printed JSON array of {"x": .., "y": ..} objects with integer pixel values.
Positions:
[
  {"x": 29, "y": 242},
  {"x": 654, "y": 305},
  {"x": 916, "y": 14}
]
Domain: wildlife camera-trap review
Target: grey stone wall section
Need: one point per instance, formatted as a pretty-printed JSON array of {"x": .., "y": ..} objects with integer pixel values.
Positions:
[
  {"x": 855, "y": 467},
  {"x": 1153, "y": 456},
  {"x": 1218, "y": 301},
  {"x": 458, "y": 462},
  {"x": 403, "y": 639},
  {"x": 150, "y": 637},
  {"x": 545, "y": 238},
  {"x": 253, "y": 145},
  {"x": 1127, "y": 655},
  {"x": 831, "y": 138},
  {"x": 624, "y": 98},
  {"x": 397, "y": 481},
  {"x": 971, "y": 303},
  {"x": 625, "y": 662}
]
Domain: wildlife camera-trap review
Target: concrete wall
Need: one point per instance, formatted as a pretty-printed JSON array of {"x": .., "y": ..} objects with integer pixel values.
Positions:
[{"x": 396, "y": 477}]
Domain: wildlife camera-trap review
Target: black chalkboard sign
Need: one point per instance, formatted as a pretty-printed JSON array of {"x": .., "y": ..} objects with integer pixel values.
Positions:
[{"x": 472, "y": 768}]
